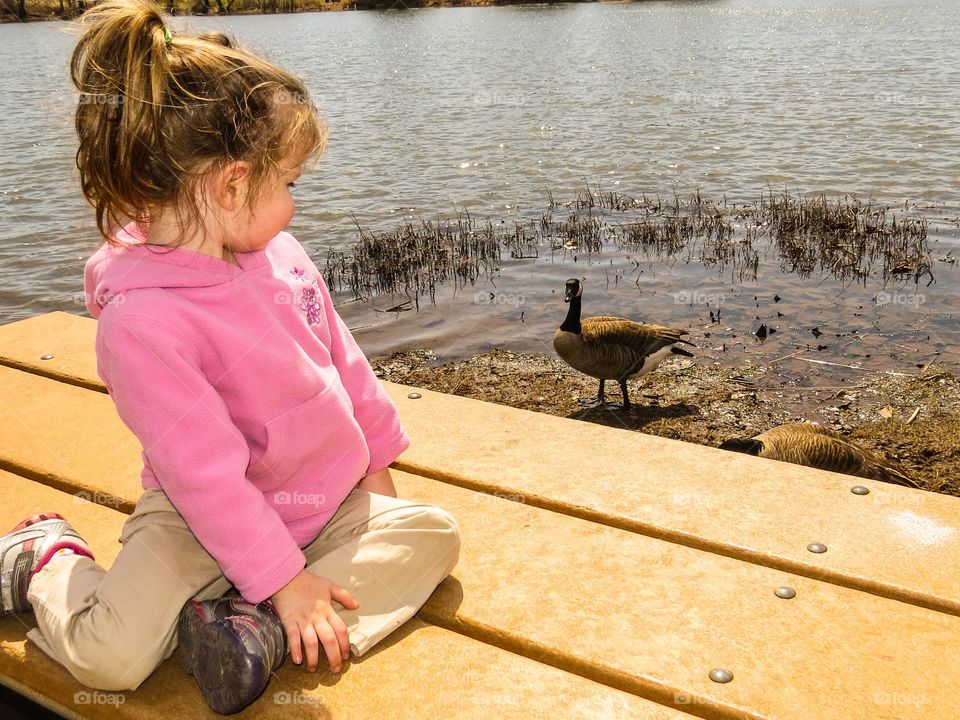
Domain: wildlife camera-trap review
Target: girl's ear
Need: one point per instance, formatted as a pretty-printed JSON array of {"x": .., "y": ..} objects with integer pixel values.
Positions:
[{"x": 230, "y": 185}]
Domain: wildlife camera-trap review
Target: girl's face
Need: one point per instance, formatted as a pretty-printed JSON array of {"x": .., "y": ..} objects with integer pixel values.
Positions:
[{"x": 270, "y": 214}]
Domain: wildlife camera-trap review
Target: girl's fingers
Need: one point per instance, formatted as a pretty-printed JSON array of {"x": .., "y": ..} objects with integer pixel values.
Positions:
[
  {"x": 343, "y": 596},
  {"x": 293, "y": 642},
  {"x": 329, "y": 639},
  {"x": 343, "y": 636},
  {"x": 311, "y": 646}
]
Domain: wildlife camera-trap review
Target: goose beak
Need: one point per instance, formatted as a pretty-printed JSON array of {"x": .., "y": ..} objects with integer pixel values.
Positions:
[{"x": 567, "y": 295}]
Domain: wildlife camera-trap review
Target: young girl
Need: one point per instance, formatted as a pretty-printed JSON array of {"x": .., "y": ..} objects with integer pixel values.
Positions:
[{"x": 266, "y": 436}]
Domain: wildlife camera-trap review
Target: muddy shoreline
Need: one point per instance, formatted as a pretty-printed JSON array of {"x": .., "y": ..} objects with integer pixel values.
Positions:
[{"x": 912, "y": 417}]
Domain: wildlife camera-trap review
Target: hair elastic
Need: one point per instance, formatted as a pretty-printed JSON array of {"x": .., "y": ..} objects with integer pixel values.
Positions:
[{"x": 167, "y": 37}]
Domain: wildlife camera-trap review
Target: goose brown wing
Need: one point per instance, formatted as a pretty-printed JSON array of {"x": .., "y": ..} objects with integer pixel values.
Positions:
[
  {"x": 641, "y": 337},
  {"x": 817, "y": 447},
  {"x": 624, "y": 344}
]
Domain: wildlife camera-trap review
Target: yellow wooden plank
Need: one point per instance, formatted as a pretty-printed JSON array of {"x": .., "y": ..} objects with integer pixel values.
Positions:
[
  {"x": 654, "y": 618},
  {"x": 68, "y": 437},
  {"x": 56, "y": 344},
  {"x": 895, "y": 542},
  {"x": 421, "y": 671},
  {"x": 651, "y": 617}
]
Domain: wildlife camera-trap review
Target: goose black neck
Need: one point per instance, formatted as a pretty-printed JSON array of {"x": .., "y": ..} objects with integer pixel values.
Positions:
[{"x": 572, "y": 321}]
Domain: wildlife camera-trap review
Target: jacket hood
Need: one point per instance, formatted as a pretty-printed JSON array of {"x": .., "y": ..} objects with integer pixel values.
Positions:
[{"x": 111, "y": 270}]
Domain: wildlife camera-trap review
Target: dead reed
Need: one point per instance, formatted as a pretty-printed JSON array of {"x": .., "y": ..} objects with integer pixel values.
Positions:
[{"x": 845, "y": 238}]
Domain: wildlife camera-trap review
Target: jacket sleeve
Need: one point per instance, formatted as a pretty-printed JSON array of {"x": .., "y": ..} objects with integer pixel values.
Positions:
[
  {"x": 197, "y": 453},
  {"x": 372, "y": 407}
]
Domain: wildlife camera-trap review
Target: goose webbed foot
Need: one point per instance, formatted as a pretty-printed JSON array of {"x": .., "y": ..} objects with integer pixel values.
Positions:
[
  {"x": 590, "y": 402},
  {"x": 600, "y": 401}
]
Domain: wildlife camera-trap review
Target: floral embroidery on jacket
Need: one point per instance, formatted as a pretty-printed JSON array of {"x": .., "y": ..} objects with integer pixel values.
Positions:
[
  {"x": 310, "y": 304},
  {"x": 309, "y": 296}
]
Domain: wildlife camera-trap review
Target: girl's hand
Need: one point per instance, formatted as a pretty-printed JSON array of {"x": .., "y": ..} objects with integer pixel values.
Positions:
[{"x": 305, "y": 609}]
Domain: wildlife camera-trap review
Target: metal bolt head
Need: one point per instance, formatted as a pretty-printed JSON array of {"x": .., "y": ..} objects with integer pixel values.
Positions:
[
  {"x": 414, "y": 396},
  {"x": 860, "y": 490},
  {"x": 817, "y": 548},
  {"x": 785, "y": 593},
  {"x": 721, "y": 675},
  {"x": 46, "y": 357}
]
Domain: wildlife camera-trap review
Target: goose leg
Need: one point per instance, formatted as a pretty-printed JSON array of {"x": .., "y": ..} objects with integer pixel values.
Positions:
[
  {"x": 626, "y": 395},
  {"x": 598, "y": 401}
]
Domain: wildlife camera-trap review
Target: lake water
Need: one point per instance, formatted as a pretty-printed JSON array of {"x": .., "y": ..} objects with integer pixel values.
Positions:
[{"x": 489, "y": 109}]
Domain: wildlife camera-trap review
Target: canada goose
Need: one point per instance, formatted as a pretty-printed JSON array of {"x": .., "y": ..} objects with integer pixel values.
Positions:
[
  {"x": 612, "y": 348},
  {"x": 819, "y": 447}
]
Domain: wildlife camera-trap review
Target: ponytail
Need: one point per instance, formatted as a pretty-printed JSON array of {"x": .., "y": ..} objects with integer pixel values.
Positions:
[{"x": 157, "y": 111}]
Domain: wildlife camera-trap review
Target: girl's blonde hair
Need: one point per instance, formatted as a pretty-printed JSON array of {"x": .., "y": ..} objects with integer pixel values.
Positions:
[{"x": 157, "y": 112}]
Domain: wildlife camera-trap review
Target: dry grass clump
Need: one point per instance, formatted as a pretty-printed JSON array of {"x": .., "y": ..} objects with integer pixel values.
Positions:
[
  {"x": 845, "y": 238},
  {"x": 415, "y": 258}
]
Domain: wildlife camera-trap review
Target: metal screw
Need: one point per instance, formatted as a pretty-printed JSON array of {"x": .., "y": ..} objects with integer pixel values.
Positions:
[
  {"x": 785, "y": 593},
  {"x": 46, "y": 357},
  {"x": 721, "y": 675},
  {"x": 817, "y": 548},
  {"x": 414, "y": 396},
  {"x": 860, "y": 490}
]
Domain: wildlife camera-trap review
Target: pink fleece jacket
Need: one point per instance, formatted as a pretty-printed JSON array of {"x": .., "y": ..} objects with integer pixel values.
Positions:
[{"x": 257, "y": 411}]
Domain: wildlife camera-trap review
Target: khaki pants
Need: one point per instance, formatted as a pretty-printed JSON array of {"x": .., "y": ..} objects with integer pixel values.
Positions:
[{"x": 112, "y": 629}]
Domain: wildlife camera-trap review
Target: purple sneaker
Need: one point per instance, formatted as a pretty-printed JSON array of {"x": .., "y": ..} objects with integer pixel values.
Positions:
[
  {"x": 231, "y": 647},
  {"x": 26, "y": 549}
]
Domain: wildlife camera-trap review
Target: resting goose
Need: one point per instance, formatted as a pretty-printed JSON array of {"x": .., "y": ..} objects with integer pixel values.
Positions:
[
  {"x": 819, "y": 447},
  {"x": 612, "y": 348}
]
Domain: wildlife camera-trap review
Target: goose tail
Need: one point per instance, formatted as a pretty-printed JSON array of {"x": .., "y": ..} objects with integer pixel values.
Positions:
[{"x": 888, "y": 472}]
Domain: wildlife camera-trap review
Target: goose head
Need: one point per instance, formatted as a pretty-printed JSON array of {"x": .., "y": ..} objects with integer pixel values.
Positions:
[
  {"x": 573, "y": 290},
  {"x": 750, "y": 446}
]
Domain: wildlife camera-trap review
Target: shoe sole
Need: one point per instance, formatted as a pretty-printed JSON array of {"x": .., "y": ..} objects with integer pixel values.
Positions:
[{"x": 217, "y": 660}]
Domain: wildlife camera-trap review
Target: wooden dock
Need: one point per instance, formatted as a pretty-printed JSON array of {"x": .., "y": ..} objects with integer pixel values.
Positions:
[{"x": 603, "y": 573}]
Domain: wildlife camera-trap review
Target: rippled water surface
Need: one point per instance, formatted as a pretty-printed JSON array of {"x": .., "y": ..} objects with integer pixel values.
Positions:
[{"x": 488, "y": 109}]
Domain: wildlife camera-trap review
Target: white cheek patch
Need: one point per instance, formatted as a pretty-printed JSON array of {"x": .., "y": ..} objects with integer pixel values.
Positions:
[{"x": 920, "y": 529}]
